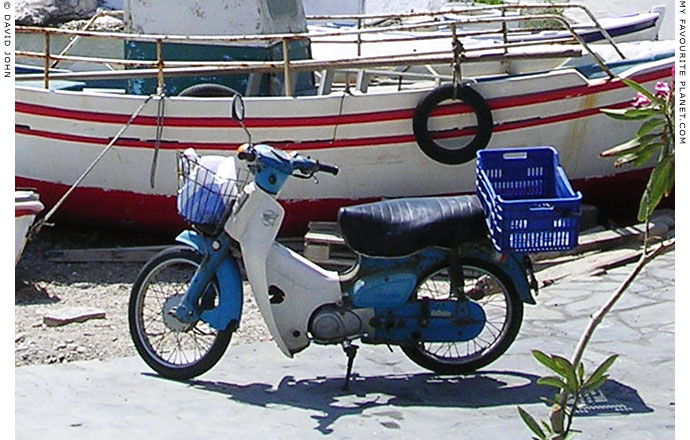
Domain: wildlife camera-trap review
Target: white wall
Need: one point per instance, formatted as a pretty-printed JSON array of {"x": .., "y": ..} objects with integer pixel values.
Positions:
[
  {"x": 207, "y": 17},
  {"x": 326, "y": 7}
]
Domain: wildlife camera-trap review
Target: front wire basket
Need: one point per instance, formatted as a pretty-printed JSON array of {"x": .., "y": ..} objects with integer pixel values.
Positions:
[{"x": 205, "y": 196}]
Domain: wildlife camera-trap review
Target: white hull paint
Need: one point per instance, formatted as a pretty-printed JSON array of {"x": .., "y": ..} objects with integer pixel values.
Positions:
[
  {"x": 26, "y": 207},
  {"x": 369, "y": 136}
]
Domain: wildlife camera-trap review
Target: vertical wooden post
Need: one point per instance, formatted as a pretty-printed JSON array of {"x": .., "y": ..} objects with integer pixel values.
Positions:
[
  {"x": 286, "y": 68},
  {"x": 159, "y": 59},
  {"x": 46, "y": 62}
]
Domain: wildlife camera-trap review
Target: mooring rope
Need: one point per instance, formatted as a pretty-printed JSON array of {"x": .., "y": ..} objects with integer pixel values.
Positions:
[
  {"x": 35, "y": 229},
  {"x": 160, "y": 117}
]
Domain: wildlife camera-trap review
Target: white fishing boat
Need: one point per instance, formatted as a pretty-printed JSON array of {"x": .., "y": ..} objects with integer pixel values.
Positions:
[
  {"x": 392, "y": 133},
  {"x": 26, "y": 207}
]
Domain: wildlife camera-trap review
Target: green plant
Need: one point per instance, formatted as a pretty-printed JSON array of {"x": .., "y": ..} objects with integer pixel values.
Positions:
[
  {"x": 569, "y": 378},
  {"x": 656, "y": 135}
]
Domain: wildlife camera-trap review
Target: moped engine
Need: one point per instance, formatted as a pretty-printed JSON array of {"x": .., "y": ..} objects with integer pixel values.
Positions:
[{"x": 332, "y": 324}]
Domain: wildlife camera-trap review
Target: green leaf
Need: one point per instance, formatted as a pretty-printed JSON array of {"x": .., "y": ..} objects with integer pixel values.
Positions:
[
  {"x": 531, "y": 423},
  {"x": 615, "y": 113},
  {"x": 641, "y": 113},
  {"x": 630, "y": 151},
  {"x": 625, "y": 159},
  {"x": 568, "y": 371},
  {"x": 650, "y": 125},
  {"x": 600, "y": 371},
  {"x": 547, "y": 427},
  {"x": 552, "y": 381},
  {"x": 545, "y": 360},
  {"x": 581, "y": 372},
  {"x": 671, "y": 180},
  {"x": 644, "y": 155},
  {"x": 621, "y": 148},
  {"x": 596, "y": 384},
  {"x": 656, "y": 186},
  {"x": 638, "y": 88}
]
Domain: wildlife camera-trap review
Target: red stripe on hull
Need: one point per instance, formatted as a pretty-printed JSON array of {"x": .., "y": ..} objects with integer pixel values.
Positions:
[
  {"x": 158, "y": 213},
  {"x": 616, "y": 196},
  {"x": 317, "y": 145},
  {"x": 25, "y": 212},
  {"x": 314, "y": 121}
]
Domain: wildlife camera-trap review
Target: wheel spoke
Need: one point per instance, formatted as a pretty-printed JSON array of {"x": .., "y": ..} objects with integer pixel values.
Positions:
[
  {"x": 162, "y": 339},
  {"x": 498, "y": 330}
]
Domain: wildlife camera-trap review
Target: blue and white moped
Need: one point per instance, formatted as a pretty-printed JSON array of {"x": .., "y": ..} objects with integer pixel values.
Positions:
[{"x": 427, "y": 278}]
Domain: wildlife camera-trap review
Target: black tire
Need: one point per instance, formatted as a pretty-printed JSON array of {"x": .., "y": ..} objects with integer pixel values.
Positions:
[
  {"x": 162, "y": 281},
  {"x": 486, "y": 282},
  {"x": 209, "y": 90},
  {"x": 431, "y": 148}
]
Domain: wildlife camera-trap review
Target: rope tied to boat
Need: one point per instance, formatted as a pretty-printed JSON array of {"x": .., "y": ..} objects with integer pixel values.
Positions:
[
  {"x": 36, "y": 228},
  {"x": 458, "y": 53},
  {"x": 160, "y": 117}
]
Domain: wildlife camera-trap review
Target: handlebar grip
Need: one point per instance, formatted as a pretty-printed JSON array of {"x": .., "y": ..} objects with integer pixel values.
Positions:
[
  {"x": 248, "y": 155},
  {"x": 330, "y": 169}
]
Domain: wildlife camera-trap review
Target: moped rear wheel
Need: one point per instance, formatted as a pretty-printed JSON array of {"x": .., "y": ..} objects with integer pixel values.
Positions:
[
  {"x": 493, "y": 290},
  {"x": 172, "y": 348}
]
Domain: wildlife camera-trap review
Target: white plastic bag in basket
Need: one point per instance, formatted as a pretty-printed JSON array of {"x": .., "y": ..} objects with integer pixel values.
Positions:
[{"x": 204, "y": 197}]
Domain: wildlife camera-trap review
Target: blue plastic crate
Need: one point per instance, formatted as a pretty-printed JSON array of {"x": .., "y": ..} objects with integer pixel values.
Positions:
[{"x": 528, "y": 202}]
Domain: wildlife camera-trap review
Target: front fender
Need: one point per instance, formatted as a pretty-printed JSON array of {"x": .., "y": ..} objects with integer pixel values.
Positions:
[{"x": 229, "y": 307}]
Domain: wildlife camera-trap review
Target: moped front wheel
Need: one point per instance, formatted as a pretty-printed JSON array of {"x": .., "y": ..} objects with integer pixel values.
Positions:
[
  {"x": 174, "y": 349},
  {"x": 493, "y": 290}
]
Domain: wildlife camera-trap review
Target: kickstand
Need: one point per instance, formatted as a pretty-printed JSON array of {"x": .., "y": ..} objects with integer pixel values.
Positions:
[{"x": 351, "y": 351}]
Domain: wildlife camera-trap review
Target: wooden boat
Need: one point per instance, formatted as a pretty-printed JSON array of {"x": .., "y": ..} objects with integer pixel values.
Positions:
[
  {"x": 26, "y": 207},
  {"x": 392, "y": 133}
]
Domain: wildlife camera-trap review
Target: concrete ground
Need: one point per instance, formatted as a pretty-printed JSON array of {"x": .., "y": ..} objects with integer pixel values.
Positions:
[{"x": 256, "y": 393}]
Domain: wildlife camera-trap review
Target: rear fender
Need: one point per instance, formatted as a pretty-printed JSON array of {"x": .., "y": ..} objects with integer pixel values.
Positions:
[
  {"x": 511, "y": 266},
  {"x": 229, "y": 307}
]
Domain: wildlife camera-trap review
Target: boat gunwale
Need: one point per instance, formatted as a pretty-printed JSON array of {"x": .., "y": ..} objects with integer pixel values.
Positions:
[{"x": 457, "y": 55}]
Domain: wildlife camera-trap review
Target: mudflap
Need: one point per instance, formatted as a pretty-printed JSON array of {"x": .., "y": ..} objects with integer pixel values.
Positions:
[{"x": 229, "y": 309}]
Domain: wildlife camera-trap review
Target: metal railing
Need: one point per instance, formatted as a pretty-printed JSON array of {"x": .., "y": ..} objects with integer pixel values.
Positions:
[{"x": 160, "y": 68}]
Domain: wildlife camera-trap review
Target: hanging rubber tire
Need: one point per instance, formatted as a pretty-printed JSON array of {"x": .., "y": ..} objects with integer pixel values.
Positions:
[
  {"x": 174, "y": 349},
  {"x": 209, "y": 90},
  {"x": 434, "y": 150},
  {"x": 488, "y": 286}
]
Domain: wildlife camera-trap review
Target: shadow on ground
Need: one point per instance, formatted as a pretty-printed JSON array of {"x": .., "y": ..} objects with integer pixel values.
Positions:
[
  {"x": 325, "y": 396},
  {"x": 329, "y": 402}
]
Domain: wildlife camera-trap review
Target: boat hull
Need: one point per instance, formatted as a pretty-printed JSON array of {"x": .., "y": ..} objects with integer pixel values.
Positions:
[
  {"x": 369, "y": 136},
  {"x": 26, "y": 207}
]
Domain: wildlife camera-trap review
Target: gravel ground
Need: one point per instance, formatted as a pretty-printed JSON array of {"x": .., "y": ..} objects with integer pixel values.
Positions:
[{"x": 43, "y": 286}]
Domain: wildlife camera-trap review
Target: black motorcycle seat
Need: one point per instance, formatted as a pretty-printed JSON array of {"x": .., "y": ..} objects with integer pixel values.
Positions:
[{"x": 399, "y": 227}]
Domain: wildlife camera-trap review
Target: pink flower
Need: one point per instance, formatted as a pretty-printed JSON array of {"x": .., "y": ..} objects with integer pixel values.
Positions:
[
  {"x": 641, "y": 101},
  {"x": 662, "y": 88}
]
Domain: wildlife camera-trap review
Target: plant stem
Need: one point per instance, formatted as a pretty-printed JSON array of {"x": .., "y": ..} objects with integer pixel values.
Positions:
[
  {"x": 596, "y": 319},
  {"x": 557, "y": 416},
  {"x": 571, "y": 416}
]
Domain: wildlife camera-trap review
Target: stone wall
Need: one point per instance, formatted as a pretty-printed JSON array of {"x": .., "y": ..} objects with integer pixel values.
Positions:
[{"x": 42, "y": 12}]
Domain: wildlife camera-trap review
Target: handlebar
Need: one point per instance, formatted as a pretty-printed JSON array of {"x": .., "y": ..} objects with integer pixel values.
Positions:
[
  {"x": 282, "y": 161},
  {"x": 330, "y": 169},
  {"x": 246, "y": 154}
]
